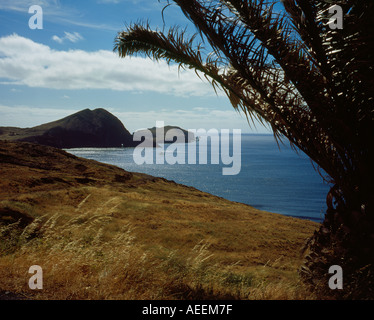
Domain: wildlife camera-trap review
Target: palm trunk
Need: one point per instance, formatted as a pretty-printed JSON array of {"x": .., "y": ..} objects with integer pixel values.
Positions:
[{"x": 345, "y": 239}]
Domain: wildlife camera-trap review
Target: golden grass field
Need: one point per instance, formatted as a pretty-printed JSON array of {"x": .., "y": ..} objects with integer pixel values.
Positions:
[{"x": 100, "y": 232}]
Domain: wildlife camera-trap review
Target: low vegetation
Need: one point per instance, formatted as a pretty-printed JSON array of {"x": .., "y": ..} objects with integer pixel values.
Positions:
[{"x": 100, "y": 232}]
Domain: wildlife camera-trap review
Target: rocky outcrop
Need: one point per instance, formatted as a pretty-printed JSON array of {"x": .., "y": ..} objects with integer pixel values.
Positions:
[
  {"x": 177, "y": 134},
  {"x": 87, "y": 128}
]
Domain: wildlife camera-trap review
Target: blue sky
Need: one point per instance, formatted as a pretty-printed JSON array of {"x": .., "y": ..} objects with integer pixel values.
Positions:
[{"x": 69, "y": 65}]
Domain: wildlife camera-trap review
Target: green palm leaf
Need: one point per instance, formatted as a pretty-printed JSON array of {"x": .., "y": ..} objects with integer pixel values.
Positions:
[{"x": 311, "y": 83}]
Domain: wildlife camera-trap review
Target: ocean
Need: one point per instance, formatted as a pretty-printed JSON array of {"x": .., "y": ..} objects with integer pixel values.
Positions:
[{"x": 272, "y": 178}]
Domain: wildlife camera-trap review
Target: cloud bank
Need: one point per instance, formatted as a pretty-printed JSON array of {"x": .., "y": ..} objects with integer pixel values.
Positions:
[{"x": 32, "y": 64}]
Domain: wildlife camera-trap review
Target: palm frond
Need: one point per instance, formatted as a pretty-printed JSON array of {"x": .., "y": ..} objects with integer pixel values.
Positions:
[
  {"x": 311, "y": 83},
  {"x": 289, "y": 69},
  {"x": 175, "y": 46}
]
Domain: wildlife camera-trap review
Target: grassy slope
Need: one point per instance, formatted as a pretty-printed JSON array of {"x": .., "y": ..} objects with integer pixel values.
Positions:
[{"x": 100, "y": 232}]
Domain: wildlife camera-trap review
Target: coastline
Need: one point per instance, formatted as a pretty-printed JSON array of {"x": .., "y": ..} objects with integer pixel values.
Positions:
[
  {"x": 267, "y": 180},
  {"x": 86, "y": 205}
]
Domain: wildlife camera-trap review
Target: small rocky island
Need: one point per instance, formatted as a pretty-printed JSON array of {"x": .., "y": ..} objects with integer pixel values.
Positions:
[{"x": 165, "y": 132}]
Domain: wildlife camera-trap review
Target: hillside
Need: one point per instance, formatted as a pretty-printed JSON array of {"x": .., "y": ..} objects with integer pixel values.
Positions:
[
  {"x": 100, "y": 232},
  {"x": 86, "y": 128}
]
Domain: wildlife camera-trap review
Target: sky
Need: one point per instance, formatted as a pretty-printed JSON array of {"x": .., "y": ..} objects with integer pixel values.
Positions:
[{"x": 69, "y": 65}]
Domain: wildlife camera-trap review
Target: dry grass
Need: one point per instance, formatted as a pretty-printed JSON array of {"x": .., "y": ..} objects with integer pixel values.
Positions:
[
  {"x": 81, "y": 261},
  {"x": 121, "y": 236}
]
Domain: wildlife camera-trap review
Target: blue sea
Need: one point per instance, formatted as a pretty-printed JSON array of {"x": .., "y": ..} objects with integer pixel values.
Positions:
[{"x": 272, "y": 178}]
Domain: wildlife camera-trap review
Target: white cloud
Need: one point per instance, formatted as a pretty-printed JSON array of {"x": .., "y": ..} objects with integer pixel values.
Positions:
[
  {"x": 72, "y": 37},
  {"x": 57, "y": 39},
  {"x": 25, "y": 62}
]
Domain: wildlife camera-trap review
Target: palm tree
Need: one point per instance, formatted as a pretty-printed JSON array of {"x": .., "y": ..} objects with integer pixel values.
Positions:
[{"x": 313, "y": 84}]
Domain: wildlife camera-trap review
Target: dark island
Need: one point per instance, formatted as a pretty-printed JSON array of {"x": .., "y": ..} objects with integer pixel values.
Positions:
[
  {"x": 177, "y": 133},
  {"x": 87, "y": 128}
]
